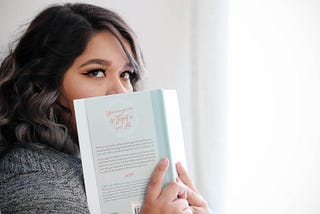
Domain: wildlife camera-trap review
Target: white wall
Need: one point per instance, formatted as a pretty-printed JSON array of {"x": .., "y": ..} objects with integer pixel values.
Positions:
[
  {"x": 209, "y": 95},
  {"x": 274, "y": 107}
]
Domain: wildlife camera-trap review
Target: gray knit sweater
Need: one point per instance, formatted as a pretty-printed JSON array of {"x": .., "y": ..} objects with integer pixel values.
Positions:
[{"x": 34, "y": 180}]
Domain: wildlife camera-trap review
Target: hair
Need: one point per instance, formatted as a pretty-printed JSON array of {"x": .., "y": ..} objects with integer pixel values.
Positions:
[{"x": 31, "y": 74}]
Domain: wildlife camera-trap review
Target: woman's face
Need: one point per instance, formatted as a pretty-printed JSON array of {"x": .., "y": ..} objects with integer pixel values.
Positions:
[{"x": 102, "y": 69}]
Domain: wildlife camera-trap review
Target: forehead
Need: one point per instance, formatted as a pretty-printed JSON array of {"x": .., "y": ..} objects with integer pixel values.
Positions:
[{"x": 106, "y": 45}]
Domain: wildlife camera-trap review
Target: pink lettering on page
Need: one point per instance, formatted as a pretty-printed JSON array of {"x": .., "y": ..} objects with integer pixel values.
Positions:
[{"x": 121, "y": 120}]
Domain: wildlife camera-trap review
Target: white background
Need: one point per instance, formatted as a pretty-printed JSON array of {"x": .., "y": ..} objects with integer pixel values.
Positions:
[{"x": 274, "y": 107}]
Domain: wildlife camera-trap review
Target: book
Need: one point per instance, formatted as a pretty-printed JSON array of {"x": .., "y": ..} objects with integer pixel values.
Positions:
[{"x": 122, "y": 137}]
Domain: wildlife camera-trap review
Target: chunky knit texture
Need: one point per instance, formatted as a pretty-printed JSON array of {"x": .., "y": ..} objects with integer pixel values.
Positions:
[{"x": 41, "y": 180}]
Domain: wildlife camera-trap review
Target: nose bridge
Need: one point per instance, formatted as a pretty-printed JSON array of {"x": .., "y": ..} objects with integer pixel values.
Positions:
[{"x": 115, "y": 85}]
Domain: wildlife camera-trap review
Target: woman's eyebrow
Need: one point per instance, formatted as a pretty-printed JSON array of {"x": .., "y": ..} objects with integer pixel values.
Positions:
[
  {"x": 129, "y": 65},
  {"x": 96, "y": 61}
]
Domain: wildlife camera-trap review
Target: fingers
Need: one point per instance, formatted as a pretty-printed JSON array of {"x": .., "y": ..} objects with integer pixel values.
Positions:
[
  {"x": 188, "y": 210},
  {"x": 182, "y": 205},
  {"x": 171, "y": 199},
  {"x": 194, "y": 198},
  {"x": 184, "y": 177},
  {"x": 174, "y": 191},
  {"x": 154, "y": 186}
]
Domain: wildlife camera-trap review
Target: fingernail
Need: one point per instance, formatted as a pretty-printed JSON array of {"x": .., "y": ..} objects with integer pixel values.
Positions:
[
  {"x": 183, "y": 194},
  {"x": 163, "y": 161}
]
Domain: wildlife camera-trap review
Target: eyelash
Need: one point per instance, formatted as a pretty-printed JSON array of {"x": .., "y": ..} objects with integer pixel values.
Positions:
[
  {"x": 90, "y": 73},
  {"x": 132, "y": 74}
]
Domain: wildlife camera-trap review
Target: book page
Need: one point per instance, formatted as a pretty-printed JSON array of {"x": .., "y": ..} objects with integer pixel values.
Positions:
[{"x": 124, "y": 147}]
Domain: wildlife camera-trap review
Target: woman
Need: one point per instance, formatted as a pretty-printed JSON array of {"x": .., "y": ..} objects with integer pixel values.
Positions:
[{"x": 69, "y": 51}]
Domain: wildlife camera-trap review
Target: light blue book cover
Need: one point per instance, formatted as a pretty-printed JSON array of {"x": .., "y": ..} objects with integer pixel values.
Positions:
[{"x": 122, "y": 137}]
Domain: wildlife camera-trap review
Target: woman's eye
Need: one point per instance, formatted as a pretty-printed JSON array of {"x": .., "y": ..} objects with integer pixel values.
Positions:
[
  {"x": 96, "y": 73},
  {"x": 128, "y": 75}
]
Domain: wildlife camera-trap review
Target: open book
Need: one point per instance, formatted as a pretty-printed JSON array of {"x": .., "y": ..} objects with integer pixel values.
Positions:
[{"x": 122, "y": 137}]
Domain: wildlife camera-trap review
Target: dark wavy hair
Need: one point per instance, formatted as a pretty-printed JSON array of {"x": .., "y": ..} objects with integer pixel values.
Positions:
[{"x": 31, "y": 74}]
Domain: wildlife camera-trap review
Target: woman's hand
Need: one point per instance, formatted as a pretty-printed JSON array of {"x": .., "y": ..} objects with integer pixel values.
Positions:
[
  {"x": 196, "y": 202},
  {"x": 172, "y": 199}
]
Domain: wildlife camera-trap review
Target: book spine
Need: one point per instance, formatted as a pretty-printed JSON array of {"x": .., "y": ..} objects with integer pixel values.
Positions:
[
  {"x": 174, "y": 128},
  {"x": 169, "y": 130}
]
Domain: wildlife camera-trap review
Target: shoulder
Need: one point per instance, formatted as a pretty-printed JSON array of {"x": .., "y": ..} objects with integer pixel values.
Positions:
[
  {"x": 41, "y": 179},
  {"x": 36, "y": 159}
]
